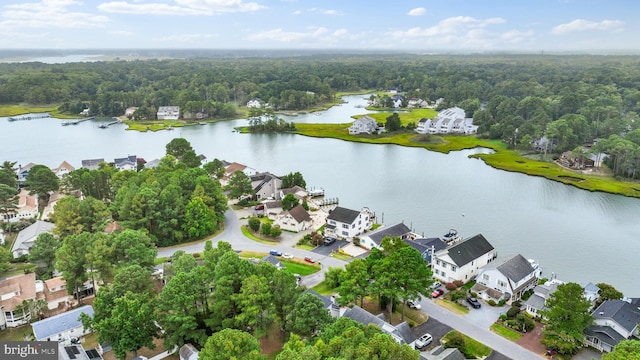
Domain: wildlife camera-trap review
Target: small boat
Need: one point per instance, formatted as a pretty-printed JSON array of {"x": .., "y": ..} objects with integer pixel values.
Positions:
[
  {"x": 103, "y": 126},
  {"x": 202, "y": 123},
  {"x": 12, "y": 119},
  {"x": 170, "y": 128},
  {"x": 451, "y": 237},
  {"x": 75, "y": 122},
  {"x": 65, "y": 123}
]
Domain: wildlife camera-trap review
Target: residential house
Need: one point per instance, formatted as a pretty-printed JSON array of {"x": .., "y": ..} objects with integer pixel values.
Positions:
[
  {"x": 273, "y": 261},
  {"x": 416, "y": 103},
  {"x": 423, "y": 126},
  {"x": 23, "y": 171},
  {"x": 614, "y": 321},
  {"x": 53, "y": 200},
  {"x": 427, "y": 247},
  {"x": 363, "y": 125},
  {"x": 13, "y": 291},
  {"x": 168, "y": 113},
  {"x": 398, "y": 99},
  {"x": 127, "y": 163},
  {"x": 188, "y": 352},
  {"x": 272, "y": 209},
  {"x": 130, "y": 111},
  {"x": 591, "y": 291},
  {"x": 463, "y": 260},
  {"x": 92, "y": 164},
  {"x": 346, "y": 223},
  {"x": 296, "y": 219},
  {"x": 374, "y": 239},
  {"x": 538, "y": 300},
  {"x": 62, "y": 327},
  {"x": 401, "y": 333},
  {"x": 56, "y": 294},
  {"x": 152, "y": 164},
  {"x": 62, "y": 169},
  {"x": 266, "y": 185},
  {"x": 441, "y": 353},
  {"x": 27, "y": 208},
  {"x": 299, "y": 192},
  {"x": 71, "y": 351},
  {"x": 507, "y": 279},
  {"x": 233, "y": 167},
  {"x": 254, "y": 103},
  {"x": 27, "y": 237}
]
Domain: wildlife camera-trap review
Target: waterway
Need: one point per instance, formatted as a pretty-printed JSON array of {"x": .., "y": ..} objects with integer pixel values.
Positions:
[{"x": 576, "y": 234}]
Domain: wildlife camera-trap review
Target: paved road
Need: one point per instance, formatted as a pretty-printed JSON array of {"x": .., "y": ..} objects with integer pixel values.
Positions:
[
  {"x": 233, "y": 235},
  {"x": 485, "y": 336}
]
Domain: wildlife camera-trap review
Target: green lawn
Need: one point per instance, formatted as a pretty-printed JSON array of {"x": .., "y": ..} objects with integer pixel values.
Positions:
[
  {"x": 324, "y": 289},
  {"x": 305, "y": 247},
  {"x": 16, "y": 334},
  {"x": 340, "y": 256},
  {"x": 472, "y": 347},
  {"x": 506, "y": 333},
  {"x": 251, "y": 235},
  {"x": 303, "y": 269}
]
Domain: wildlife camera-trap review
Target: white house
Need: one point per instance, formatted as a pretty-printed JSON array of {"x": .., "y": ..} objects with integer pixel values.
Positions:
[
  {"x": 23, "y": 171},
  {"x": 92, "y": 164},
  {"x": 538, "y": 300},
  {"x": 272, "y": 209},
  {"x": 254, "y": 103},
  {"x": 56, "y": 293},
  {"x": 130, "y": 111},
  {"x": 374, "y": 239},
  {"x": 62, "y": 327},
  {"x": 614, "y": 321},
  {"x": 416, "y": 103},
  {"x": 13, "y": 291},
  {"x": 363, "y": 125},
  {"x": 233, "y": 167},
  {"x": 423, "y": 126},
  {"x": 168, "y": 113},
  {"x": 128, "y": 163},
  {"x": 448, "y": 121},
  {"x": 347, "y": 223},
  {"x": 298, "y": 192},
  {"x": 265, "y": 185},
  {"x": 26, "y": 208},
  {"x": 296, "y": 219},
  {"x": 463, "y": 260},
  {"x": 507, "y": 279},
  {"x": 27, "y": 237},
  {"x": 62, "y": 169}
]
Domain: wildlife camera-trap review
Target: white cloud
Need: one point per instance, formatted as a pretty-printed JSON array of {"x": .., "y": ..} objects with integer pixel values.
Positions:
[
  {"x": 584, "y": 25},
  {"x": 186, "y": 38},
  {"x": 122, "y": 33},
  {"x": 297, "y": 12},
  {"x": 47, "y": 14},
  {"x": 319, "y": 11},
  {"x": 180, "y": 7},
  {"x": 449, "y": 26},
  {"x": 417, "y": 11},
  {"x": 315, "y": 35}
]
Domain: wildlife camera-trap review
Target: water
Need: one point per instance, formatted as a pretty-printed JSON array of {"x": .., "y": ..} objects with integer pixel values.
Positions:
[{"x": 579, "y": 235}]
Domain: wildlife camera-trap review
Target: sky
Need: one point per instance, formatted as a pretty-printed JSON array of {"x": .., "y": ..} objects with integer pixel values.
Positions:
[{"x": 404, "y": 25}]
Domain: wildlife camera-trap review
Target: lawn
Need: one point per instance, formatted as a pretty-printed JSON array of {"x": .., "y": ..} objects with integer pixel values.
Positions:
[
  {"x": 413, "y": 317},
  {"x": 16, "y": 334},
  {"x": 324, "y": 289},
  {"x": 305, "y": 247},
  {"x": 340, "y": 256},
  {"x": 505, "y": 332},
  {"x": 451, "y": 306},
  {"x": 253, "y": 236},
  {"x": 252, "y": 254},
  {"x": 18, "y": 109},
  {"x": 472, "y": 347},
  {"x": 296, "y": 267}
]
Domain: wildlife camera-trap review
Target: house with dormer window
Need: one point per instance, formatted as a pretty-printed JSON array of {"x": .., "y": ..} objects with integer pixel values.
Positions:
[
  {"x": 507, "y": 279},
  {"x": 463, "y": 260},
  {"x": 346, "y": 223}
]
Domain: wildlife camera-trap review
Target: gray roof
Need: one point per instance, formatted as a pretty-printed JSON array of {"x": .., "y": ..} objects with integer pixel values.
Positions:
[
  {"x": 627, "y": 314},
  {"x": 516, "y": 268},
  {"x": 440, "y": 353},
  {"x": 546, "y": 290},
  {"x": 187, "y": 351},
  {"x": 91, "y": 163},
  {"x": 605, "y": 334},
  {"x": 326, "y": 300},
  {"x": 536, "y": 301},
  {"x": 364, "y": 317},
  {"x": 48, "y": 327},
  {"x": 152, "y": 164},
  {"x": 436, "y": 243},
  {"x": 343, "y": 215},
  {"x": 590, "y": 287},
  {"x": 397, "y": 230},
  {"x": 468, "y": 250},
  {"x": 273, "y": 261},
  {"x": 26, "y": 237},
  {"x": 128, "y": 159}
]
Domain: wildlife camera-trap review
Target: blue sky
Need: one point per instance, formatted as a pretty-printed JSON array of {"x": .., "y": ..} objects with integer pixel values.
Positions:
[{"x": 423, "y": 26}]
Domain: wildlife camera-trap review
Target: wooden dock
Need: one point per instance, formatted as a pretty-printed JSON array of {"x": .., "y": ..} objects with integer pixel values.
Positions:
[{"x": 29, "y": 116}]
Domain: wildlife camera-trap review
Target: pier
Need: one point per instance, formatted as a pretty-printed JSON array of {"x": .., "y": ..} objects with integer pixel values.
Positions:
[
  {"x": 29, "y": 116},
  {"x": 76, "y": 121},
  {"x": 106, "y": 125}
]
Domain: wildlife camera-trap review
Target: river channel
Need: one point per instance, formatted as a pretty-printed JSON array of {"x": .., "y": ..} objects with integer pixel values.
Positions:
[{"x": 579, "y": 235}]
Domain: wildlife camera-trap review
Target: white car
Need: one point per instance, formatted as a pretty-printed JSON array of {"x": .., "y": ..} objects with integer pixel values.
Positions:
[
  {"x": 414, "y": 304},
  {"x": 287, "y": 255},
  {"x": 423, "y": 341},
  {"x": 436, "y": 285}
]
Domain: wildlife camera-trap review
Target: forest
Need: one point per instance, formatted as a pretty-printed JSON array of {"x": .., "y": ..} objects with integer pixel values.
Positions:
[{"x": 572, "y": 100}]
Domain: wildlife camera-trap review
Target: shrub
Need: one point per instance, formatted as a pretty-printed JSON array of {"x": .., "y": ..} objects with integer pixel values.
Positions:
[
  {"x": 412, "y": 324},
  {"x": 502, "y": 302},
  {"x": 459, "y": 283},
  {"x": 266, "y": 229},
  {"x": 512, "y": 312},
  {"x": 457, "y": 295},
  {"x": 517, "y": 303},
  {"x": 450, "y": 286},
  {"x": 275, "y": 231},
  {"x": 527, "y": 294},
  {"x": 474, "y": 294},
  {"x": 491, "y": 302},
  {"x": 254, "y": 224},
  {"x": 503, "y": 317}
]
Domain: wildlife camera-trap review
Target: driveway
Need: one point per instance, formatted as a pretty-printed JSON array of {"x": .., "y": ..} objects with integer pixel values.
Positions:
[
  {"x": 486, "y": 315},
  {"x": 328, "y": 249}
]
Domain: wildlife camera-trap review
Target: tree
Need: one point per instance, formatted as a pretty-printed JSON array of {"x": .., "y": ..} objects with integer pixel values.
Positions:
[
  {"x": 73, "y": 216},
  {"x": 133, "y": 278},
  {"x": 8, "y": 200},
  {"x": 334, "y": 276},
  {"x": 133, "y": 247},
  {"x": 254, "y": 223},
  {"x": 231, "y": 344},
  {"x": 293, "y": 179},
  {"x": 35, "y": 307},
  {"x": 296, "y": 349},
  {"x": 393, "y": 123},
  {"x": 355, "y": 282},
  {"x": 275, "y": 231},
  {"x": 199, "y": 219},
  {"x": 5, "y": 258},
  {"x": 43, "y": 253},
  {"x": 41, "y": 180},
  {"x": 567, "y": 317},
  {"x": 607, "y": 292},
  {"x": 239, "y": 185},
  {"x": 255, "y": 300},
  {"x": 289, "y": 202},
  {"x": 412, "y": 274},
  {"x": 308, "y": 315},
  {"x": 8, "y": 174},
  {"x": 214, "y": 168},
  {"x": 71, "y": 260},
  {"x": 178, "y": 147},
  {"x": 625, "y": 350},
  {"x": 265, "y": 229}
]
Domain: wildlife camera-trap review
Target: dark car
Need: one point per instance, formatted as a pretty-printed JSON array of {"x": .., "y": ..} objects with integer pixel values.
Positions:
[
  {"x": 275, "y": 252},
  {"x": 329, "y": 240},
  {"x": 436, "y": 293},
  {"x": 259, "y": 207},
  {"x": 309, "y": 260},
  {"x": 473, "y": 302}
]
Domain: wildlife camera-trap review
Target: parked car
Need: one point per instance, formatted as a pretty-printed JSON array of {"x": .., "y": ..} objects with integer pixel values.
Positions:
[
  {"x": 309, "y": 260},
  {"x": 275, "y": 252},
  {"x": 473, "y": 302},
  {"x": 414, "y": 304},
  {"x": 436, "y": 285},
  {"x": 259, "y": 207},
  {"x": 287, "y": 255},
  {"x": 423, "y": 341},
  {"x": 436, "y": 293},
  {"x": 329, "y": 240}
]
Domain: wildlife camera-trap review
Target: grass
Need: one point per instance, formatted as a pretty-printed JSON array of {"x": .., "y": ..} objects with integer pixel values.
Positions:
[
  {"x": 19, "y": 109},
  {"x": 252, "y": 254},
  {"x": 90, "y": 340},
  {"x": 297, "y": 267},
  {"x": 472, "y": 347},
  {"x": 451, "y": 306},
  {"x": 324, "y": 289},
  {"x": 340, "y": 256},
  {"x": 417, "y": 317},
  {"x": 405, "y": 117},
  {"x": 305, "y": 247},
  {"x": 16, "y": 334},
  {"x": 506, "y": 333},
  {"x": 160, "y": 260},
  {"x": 251, "y": 235},
  {"x": 19, "y": 269}
]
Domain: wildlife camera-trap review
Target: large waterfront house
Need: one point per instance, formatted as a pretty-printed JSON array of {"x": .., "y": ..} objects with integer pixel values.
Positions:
[
  {"x": 614, "y": 321},
  {"x": 27, "y": 237},
  {"x": 346, "y": 223},
  {"x": 62, "y": 169},
  {"x": 168, "y": 113},
  {"x": 233, "y": 167},
  {"x": 254, "y": 103},
  {"x": 541, "y": 293},
  {"x": 92, "y": 164},
  {"x": 23, "y": 171},
  {"x": 363, "y": 125},
  {"x": 374, "y": 239},
  {"x": 127, "y": 163},
  {"x": 294, "y": 220},
  {"x": 448, "y": 121},
  {"x": 427, "y": 246},
  {"x": 265, "y": 185},
  {"x": 507, "y": 279},
  {"x": 463, "y": 260}
]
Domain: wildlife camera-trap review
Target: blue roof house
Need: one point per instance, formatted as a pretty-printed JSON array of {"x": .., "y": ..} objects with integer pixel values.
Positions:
[{"x": 62, "y": 327}]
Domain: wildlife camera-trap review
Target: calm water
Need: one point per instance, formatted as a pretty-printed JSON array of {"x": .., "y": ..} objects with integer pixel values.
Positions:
[{"x": 579, "y": 235}]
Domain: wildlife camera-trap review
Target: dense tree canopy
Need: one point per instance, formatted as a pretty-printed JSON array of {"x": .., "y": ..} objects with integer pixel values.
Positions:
[
  {"x": 625, "y": 350},
  {"x": 41, "y": 180}
]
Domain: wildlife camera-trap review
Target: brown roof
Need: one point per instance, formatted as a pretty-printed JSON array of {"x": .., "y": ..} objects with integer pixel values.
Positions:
[
  {"x": 55, "y": 282},
  {"x": 113, "y": 226},
  {"x": 65, "y": 165},
  {"x": 26, "y": 201},
  {"x": 25, "y": 284},
  {"x": 300, "y": 214},
  {"x": 234, "y": 166}
]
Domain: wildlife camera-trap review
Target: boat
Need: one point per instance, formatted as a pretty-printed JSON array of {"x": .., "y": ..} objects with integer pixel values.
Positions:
[
  {"x": 169, "y": 127},
  {"x": 12, "y": 119},
  {"x": 316, "y": 192},
  {"x": 103, "y": 126},
  {"x": 65, "y": 123},
  {"x": 202, "y": 123},
  {"x": 74, "y": 122},
  {"x": 451, "y": 237}
]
